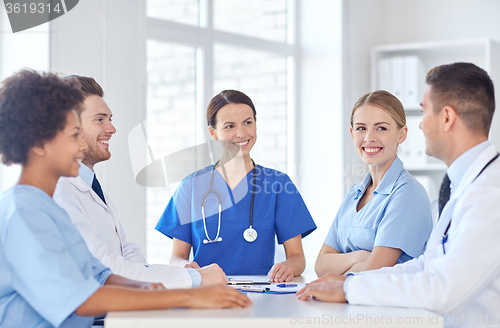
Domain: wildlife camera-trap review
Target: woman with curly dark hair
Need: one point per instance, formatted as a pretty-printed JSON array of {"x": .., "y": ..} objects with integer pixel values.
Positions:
[{"x": 48, "y": 277}]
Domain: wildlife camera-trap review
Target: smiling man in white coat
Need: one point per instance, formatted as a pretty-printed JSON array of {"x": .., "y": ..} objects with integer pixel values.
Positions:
[
  {"x": 96, "y": 218},
  {"x": 458, "y": 276}
]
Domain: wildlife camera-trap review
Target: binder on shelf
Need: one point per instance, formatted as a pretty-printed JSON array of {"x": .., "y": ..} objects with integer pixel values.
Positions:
[
  {"x": 413, "y": 149},
  {"x": 414, "y": 71},
  {"x": 385, "y": 74},
  {"x": 402, "y": 76},
  {"x": 398, "y": 78}
]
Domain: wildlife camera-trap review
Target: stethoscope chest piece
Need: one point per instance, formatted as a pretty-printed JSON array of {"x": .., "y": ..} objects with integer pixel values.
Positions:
[{"x": 250, "y": 234}]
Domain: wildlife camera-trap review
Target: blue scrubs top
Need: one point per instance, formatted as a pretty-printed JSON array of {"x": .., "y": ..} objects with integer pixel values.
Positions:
[
  {"x": 278, "y": 210},
  {"x": 46, "y": 270},
  {"x": 398, "y": 216}
]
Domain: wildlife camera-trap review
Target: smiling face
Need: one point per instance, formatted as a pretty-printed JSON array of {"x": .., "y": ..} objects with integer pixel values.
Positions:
[
  {"x": 235, "y": 124},
  {"x": 65, "y": 150},
  {"x": 96, "y": 130},
  {"x": 376, "y": 135}
]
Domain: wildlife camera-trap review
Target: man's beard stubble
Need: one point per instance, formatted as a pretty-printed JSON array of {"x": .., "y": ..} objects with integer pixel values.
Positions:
[{"x": 93, "y": 154}]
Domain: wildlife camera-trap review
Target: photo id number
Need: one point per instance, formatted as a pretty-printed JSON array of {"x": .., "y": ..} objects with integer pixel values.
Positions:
[{"x": 32, "y": 8}]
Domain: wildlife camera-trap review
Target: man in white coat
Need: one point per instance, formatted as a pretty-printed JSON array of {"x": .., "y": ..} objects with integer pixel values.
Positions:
[
  {"x": 458, "y": 276},
  {"x": 96, "y": 218}
]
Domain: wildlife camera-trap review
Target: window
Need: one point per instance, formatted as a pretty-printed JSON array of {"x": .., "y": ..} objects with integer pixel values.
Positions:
[
  {"x": 171, "y": 123},
  {"x": 195, "y": 49},
  {"x": 181, "y": 11},
  {"x": 16, "y": 52},
  {"x": 263, "y": 77},
  {"x": 266, "y": 19}
]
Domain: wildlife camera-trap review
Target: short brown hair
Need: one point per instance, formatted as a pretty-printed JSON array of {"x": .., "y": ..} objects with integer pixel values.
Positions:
[
  {"x": 33, "y": 108},
  {"x": 384, "y": 100},
  {"x": 468, "y": 89},
  {"x": 224, "y": 98},
  {"x": 88, "y": 87}
]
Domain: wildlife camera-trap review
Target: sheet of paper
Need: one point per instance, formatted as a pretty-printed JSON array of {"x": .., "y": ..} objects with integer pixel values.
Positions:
[{"x": 249, "y": 279}]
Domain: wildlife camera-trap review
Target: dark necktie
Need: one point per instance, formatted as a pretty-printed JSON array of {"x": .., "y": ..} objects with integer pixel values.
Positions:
[
  {"x": 96, "y": 186},
  {"x": 444, "y": 193}
]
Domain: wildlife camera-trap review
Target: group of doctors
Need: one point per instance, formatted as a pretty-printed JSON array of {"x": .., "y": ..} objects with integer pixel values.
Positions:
[{"x": 230, "y": 213}]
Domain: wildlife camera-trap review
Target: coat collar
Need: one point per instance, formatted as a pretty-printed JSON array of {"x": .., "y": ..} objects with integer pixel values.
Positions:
[
  {"x": 471, "y": 174},
  {"x": 84, "y": 187}
]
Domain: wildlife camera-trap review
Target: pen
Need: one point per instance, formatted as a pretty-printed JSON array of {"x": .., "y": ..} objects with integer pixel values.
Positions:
[{"x": 286, "y": 285}]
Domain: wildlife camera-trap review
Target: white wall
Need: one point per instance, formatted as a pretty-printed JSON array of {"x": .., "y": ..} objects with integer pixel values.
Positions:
[
  {"x": 104, "y": 39},
  {"x": 319, "y": 127},
  {"x": 369, "y": 23},
  {"x": 362, "y": 30}
]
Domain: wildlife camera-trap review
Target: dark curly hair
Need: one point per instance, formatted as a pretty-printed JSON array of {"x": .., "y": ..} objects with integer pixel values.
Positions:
[{"x": 33, "y": 108}]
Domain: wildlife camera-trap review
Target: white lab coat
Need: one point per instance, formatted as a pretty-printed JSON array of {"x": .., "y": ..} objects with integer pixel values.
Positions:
[
  {"x": 99, "y": 225},
  {"x": 463, "y": 284}
]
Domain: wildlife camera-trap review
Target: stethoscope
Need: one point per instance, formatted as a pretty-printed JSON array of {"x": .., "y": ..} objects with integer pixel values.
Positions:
[
  {"x": 250, "y": 234},
  {"x": 444, "y": 238}
]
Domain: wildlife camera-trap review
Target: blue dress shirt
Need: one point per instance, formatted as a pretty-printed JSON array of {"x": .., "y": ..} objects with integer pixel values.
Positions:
[
  {"x": 46, "y": 270},
  {"x": 398, "y": 216},
  {"x": 87, "y": 174}
]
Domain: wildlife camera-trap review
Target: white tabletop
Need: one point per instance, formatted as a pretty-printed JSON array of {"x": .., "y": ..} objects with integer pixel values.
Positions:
[{"x": 269, "y": 310}]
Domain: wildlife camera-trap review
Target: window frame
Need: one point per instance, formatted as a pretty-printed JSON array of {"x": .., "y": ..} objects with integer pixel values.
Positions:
[{"x": 204, "y": 36}]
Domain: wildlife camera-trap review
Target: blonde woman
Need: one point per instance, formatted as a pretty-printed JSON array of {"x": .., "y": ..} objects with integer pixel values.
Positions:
[{"x": 385, "y": 219}]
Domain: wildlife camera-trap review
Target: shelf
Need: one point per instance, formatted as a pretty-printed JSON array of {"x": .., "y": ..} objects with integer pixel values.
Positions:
[
  {"x": 413, "y": 111},
  {"x": 455, "y": 47},
  {"x": 427, "y": 168},
  {"x": 484, "y": 53}
]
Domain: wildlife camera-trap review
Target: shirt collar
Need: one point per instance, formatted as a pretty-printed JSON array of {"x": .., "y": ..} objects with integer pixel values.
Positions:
[
  {"x": 363, "y": 185},
  {"x": 457, "y": 169},
  {"x": 390, "y": 177},
  {"x": 388, "y": 181},
  {"x": 86, "y": 174}
]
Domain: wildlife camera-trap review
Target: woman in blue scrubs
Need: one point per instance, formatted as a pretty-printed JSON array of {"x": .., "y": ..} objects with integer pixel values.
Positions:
[
  {"x": 385, "y": 219},
  {"x": 48, "y": 277},
  {"x": 256, "y": 204}
]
